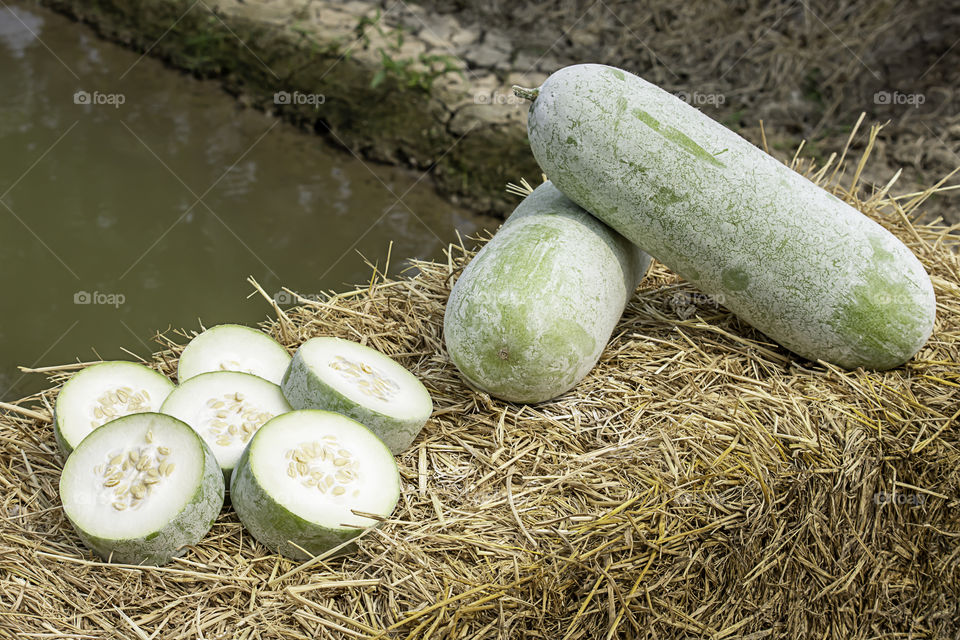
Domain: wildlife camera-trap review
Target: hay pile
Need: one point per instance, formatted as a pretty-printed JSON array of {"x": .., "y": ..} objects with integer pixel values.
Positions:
[{"x": 701, "y": 482}]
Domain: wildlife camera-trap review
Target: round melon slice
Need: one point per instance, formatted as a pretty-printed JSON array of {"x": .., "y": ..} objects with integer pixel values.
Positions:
[
  {"x": 361, "y": 383},
  {"x": 102, "y": 392},
  {"x": 226, "y": 408},
  {"x": 141, "y": 488},
  {"x": 233, "y": 347},
  {"x": 298, "y": 483}
]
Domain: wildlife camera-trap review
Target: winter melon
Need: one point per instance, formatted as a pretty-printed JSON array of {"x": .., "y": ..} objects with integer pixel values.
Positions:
[
  {"x": 347, "y": 377},
  {"x": 103, "y": 392},
  {"x": 141, "y": 488},
  {"x": 531, "y": 313},
  {"x": 226, "y": 408},
  {"x": 307, "y": 478},
  {"x": 794, "y": 261},
  {"x": 233, "y": 347}
]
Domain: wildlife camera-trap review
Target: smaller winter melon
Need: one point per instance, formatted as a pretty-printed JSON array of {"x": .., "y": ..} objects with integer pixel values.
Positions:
[
  {"x": 226, "y": 408},
  {"x": 141, "y": 488},
  {"x": 361, "y": 383},
  {"x": 303, "y": 476},
  {"x": 100, "y": 393},
  {"x": 533, "y": 310},
  {"x": 233, "y": 347}
]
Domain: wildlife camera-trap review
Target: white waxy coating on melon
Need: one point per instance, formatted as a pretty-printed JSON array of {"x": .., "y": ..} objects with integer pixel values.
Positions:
[
  {"x": 103, "y": 392},
  {"x": 234, "y": 347},
  {"x": 304, "y": 474},
  {"x": 226, "y": 408},
  {"x": 362, "y": 383},
  {"x": 141, "y": 488},
  {"x": 797, "y": 263},
  {"x": 532, "y": 312}
]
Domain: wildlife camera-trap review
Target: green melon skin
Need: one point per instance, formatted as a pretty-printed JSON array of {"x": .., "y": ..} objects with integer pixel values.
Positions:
[
  {"x": 274, "y": 525},
  {"x": 532, "y": 312},
  {"x": 304, "y": 390},
  {"x": 794, "y": 261},
  {"x": 187, "y": 528}
]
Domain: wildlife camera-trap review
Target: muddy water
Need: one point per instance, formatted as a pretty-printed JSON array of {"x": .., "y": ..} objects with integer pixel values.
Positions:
[{"x": 134, "y": 198}]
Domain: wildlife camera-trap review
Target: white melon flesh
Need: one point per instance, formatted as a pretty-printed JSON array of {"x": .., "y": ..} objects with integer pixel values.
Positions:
[
  {"x": 233, "y": 347},
  {"x": 226, "y": 408},
  {"x": 100, "y": 393},
  {"x": 303, "y": 475},
  {"x": 141, "y": 488},
  {"x": 343, "y": 376}
]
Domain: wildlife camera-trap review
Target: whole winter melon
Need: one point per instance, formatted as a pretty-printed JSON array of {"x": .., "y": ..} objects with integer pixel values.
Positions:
[
  {"x": 531, "y": 313},
  {"x": 794, "y": 261}
]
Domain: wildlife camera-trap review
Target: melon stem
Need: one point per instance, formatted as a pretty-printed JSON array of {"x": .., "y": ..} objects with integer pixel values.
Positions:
[{"x": 526, "y": 94}]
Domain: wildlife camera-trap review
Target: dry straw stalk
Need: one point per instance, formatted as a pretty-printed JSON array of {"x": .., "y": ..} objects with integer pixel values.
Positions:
[{"x": 701, "y": 482}]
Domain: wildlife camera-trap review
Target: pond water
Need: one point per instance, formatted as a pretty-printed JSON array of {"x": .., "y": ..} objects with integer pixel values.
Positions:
[{"x": 135, "y": 198}]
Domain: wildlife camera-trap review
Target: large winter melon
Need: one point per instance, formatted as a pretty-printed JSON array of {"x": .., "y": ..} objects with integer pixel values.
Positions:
[
  {"x": 534, "y": 309},
  {"x": 794, "y": 261}
]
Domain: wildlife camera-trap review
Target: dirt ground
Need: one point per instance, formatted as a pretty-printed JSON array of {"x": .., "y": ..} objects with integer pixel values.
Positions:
[{"x": 807, "y": 68}]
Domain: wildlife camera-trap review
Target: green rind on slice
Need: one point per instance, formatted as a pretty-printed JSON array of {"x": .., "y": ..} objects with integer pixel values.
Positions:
[
  {"x": 346, "y": 377},
  {"x": 88, "y": 398},
  {"x": 533, "y": 310},
  {"x": 226, "y": 408},
  {"x": 191, "y": 512},
  {"x": 300, "y": 521},
  {"x": 233, "y": 347}
]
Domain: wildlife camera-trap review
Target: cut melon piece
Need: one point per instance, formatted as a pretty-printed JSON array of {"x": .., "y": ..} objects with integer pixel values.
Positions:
[
  {"x": 102, "y": 392},
  {"x": 303, "y": 475},
  {"x": 361, "y": 383},
  {"x": 233, "y": 347},
  {"x": 141, "y": 488},
  {"x": 226, "y": 408}
]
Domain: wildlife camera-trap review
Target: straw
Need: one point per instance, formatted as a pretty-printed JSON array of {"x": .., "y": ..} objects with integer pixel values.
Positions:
[{"x": 700, "y": 482}]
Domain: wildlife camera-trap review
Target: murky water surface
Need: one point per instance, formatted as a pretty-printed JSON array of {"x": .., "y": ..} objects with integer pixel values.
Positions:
[{"x": 135, "y": 198}]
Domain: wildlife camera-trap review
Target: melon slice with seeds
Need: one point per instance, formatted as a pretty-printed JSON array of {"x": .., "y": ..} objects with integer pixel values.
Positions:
[
  {"x": 343, "y": 376},
  {"x": 302, "y": 477},
  {"x": 233, "y": 347},
  {"x": 103, "y": 392},
  {"x": 141, "y": 488},
  {"x": 226, "y": 408}
]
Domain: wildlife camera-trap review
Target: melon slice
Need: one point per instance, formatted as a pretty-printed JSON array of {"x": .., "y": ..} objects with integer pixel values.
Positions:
[
  {"x": 233, "y": 347},
  {"x": 226, "y": 408},
  {"x": 361, "y": 383},
  {"x": 102, "y": 392},
  {"x": 141, "y": 488},
  {"x": 303, "y": 475}
]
